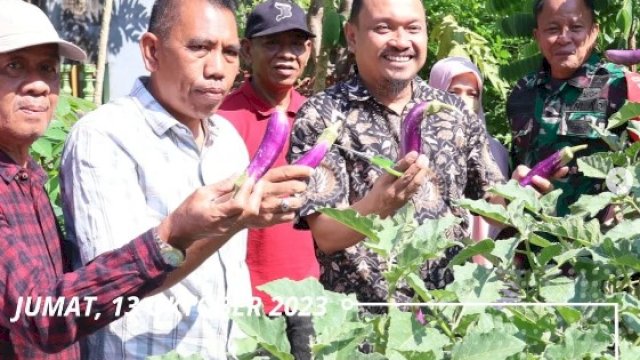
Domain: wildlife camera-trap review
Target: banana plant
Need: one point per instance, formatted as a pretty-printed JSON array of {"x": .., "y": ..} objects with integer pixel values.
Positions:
[{"x": 456, "y": 40}]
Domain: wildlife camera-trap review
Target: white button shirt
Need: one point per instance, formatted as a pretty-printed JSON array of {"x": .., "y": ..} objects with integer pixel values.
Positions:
[{"x": 127, "y": 165}]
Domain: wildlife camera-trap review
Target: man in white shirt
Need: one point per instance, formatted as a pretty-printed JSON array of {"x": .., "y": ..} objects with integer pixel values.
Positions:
[{"x": 129, "y": 163}]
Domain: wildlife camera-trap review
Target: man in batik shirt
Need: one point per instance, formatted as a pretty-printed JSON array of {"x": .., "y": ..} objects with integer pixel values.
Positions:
[{"x": 388, "y": 39}]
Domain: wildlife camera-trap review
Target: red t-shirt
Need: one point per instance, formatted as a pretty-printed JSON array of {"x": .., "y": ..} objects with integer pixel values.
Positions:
[{"x": 278, "y": 251}]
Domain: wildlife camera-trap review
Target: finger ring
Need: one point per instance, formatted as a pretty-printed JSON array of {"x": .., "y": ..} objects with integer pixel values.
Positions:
[{"x": 284, "y": 205}]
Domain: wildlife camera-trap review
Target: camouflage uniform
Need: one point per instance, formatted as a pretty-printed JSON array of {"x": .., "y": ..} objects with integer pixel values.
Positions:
[{"x": 546, "y": 115}]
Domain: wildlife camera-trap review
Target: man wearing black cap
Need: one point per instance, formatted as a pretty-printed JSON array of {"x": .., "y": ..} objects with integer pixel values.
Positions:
[{"x": 277, "y": 47}]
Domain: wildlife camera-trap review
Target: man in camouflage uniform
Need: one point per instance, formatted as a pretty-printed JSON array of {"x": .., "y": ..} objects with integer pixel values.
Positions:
[{"x": 574, "y": 90}]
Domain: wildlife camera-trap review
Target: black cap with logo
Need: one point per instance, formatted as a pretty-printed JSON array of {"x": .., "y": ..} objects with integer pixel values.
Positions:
[{"x": 276, "y": 16}]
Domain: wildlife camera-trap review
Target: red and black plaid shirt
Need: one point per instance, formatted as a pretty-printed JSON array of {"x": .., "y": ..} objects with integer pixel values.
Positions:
[{"x": 32, "y": 267}]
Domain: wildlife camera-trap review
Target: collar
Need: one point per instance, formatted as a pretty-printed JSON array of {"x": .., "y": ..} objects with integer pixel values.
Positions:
[
  {"x": 264, "y": 109},
  {"x": 157, "y": 117},
  {"x": 9, "y": 169},
  {"x": 581, "y": 78}
]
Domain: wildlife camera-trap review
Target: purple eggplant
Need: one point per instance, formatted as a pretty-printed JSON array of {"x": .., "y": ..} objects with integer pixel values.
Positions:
[
  {"x": 623, "y": 57},
  {"x": 410, "y": 138},
  {"x": 551, "y": 164},
  {"x": 313, "y": 157},
  {"x": 273, "y": 141}
]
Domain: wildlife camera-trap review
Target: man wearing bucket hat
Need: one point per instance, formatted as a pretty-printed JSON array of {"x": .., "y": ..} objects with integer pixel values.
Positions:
[
  {"x": 45, "y": 307},
  {"x": 276, "y": 48}
]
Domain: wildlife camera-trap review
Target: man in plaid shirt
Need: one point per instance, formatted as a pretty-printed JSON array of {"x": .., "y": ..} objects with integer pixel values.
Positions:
[{"x": 45, "y": 307}]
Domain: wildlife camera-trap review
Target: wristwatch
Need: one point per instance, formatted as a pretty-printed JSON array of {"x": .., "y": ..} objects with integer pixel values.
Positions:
[{"x": 171, "y": 256}]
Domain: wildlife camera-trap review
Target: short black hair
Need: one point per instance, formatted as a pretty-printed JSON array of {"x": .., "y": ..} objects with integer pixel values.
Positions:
[
  {"x": 164, "y": 15},
  {"x": 539, "y": 4},
  {"x": 356, "y": 6}
]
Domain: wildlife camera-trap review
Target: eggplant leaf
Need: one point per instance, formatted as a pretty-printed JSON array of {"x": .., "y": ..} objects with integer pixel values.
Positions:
[{"x": 628, "y": 111}]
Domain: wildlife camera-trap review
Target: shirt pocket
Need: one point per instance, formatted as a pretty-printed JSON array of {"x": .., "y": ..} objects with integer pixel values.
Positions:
[
  {"x": 524, "y": 128},
  {"x": 582, "y": 123}
]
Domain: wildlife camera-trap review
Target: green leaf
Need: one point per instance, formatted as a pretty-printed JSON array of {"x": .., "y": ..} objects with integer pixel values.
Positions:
[
  {"x": 246, "y": 348},
  {"x": 331, "y": 27},
  {"x": 573, "y": 255},
  {"x": 431, "y": 235},
  {"x": 417, "y": 284},
  {"x": 538, "y": 240},
  {"x": 608, "y": 137},
  {"x": 625, "y": 230},
  {"x": 529, "y": 49},
  {"x": 406, "y": 334},
  {"x": 494, "y": 320},
  {"x": 627, "y": 260},
  {"x": 512, "y": 191},
  {"x": 174, "y": 355},
  {"x": 480, "y": 248},
  {"x": 485, "y": 209},
  {"x": 574, "y": 228},
  {"x": 475, "y": 284},
  {"x": 63, "y": 107},
  {"x": 534, "y": 323},
  {"x": 336, "y": 309},
  {"x": 268, "y": 332},
  {"x": 505, "y": 250},
  {"x": 579, "y": 343},
  {"x": 631, "y": 320},
  {"x": 633, "y": 150},
  {"x": 413, "y": 355},
  {"x": 549, "y": 202},
  {"x": 350, "y": 218},
  {"x": 501, "y": 6},
  {"x": 345, "y": 346},
  {"x": 372, "y": 356},
  {"x": 43, "y": 148},
  {"x": 385, "y": 164},
  {"x": 494, "y": 346},
  {"x": 596, "y": 165},
  {"x": 569, "y": 315},
  {"x": 56, "y": 134},
  {"x": 580, "y": 289},
  {"x": 628, "y": 351},
  {"x": 388, "y": 235},
  {"x": 549, "y": 253},
  {"x": 624, "y": 18},
  {"x": 558, "y": 290},
  {"x": 590, "y": 205},
  {"x": 518, "y": 24},
  {"x": 518, "y": 68}
]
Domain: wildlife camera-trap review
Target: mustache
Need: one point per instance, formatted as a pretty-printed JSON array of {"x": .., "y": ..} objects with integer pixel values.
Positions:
[{"x": 33, "y": 104}]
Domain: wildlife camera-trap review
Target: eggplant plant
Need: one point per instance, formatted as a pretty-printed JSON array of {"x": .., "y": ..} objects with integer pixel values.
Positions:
[
  {"x": 488, "y": 323},
  {"x": 578, "y": 299}
]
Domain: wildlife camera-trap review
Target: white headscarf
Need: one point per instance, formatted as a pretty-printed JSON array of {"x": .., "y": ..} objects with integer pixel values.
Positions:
[{"x": 443, "y": 72}]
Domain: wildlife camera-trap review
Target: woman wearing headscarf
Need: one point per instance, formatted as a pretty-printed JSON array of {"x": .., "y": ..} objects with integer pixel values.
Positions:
[{"x": 460, "y": 76}]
